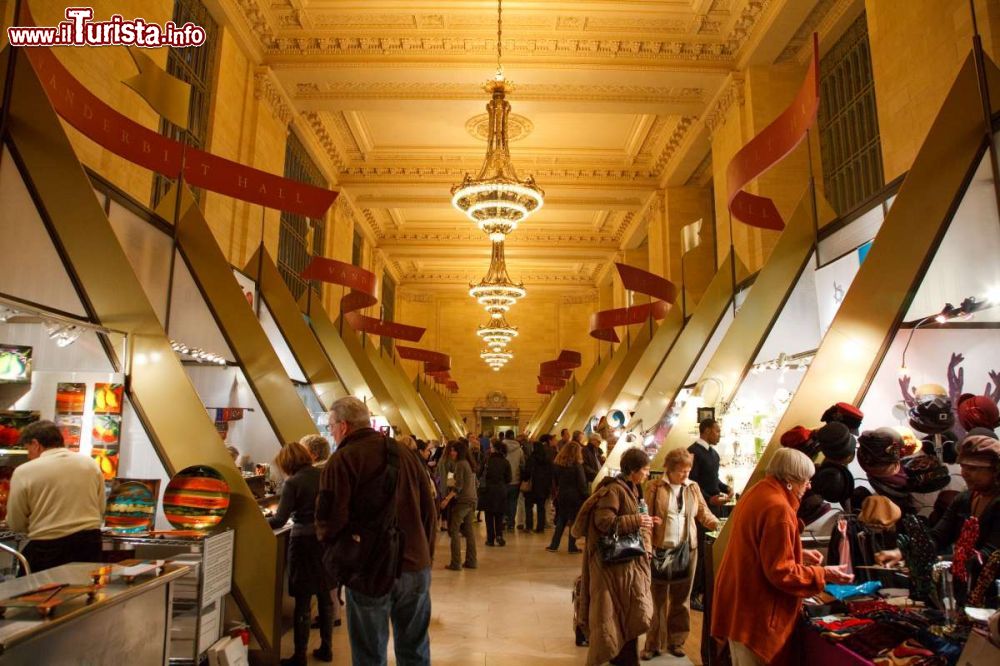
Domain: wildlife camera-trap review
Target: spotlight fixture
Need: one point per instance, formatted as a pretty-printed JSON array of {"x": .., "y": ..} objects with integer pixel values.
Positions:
[
  {"x": 196, "y": 354},
  {"x": 62, "y": 334},
  {"x": 497, "y": 199}
]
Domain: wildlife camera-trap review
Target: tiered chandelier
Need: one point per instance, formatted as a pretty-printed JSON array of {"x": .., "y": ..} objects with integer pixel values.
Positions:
[
  {"x": 497, "y": 292},
  {"x": 497, "y": 200}
]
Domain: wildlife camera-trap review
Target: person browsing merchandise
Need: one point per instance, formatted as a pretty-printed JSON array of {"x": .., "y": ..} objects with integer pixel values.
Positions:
[
  {"x": 705, "y": 470},
  {"x": 57, "y": 499}
]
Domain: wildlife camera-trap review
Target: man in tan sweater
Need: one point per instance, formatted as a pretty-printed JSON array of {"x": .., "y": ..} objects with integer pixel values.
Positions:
[{"x": 57, "y": 499}]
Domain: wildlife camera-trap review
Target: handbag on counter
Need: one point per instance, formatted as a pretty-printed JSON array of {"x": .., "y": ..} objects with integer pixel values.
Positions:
[{"x": 620, "y": 548}]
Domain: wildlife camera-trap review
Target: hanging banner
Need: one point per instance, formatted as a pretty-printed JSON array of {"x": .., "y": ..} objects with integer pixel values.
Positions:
[
  {"x": 768, "y": 148},
  {"x": 140, "y": 145},
  {"x": 452, "y": 386},
  {"x": 435, "y": 363},
  {"x": 552, "y": 375},
  {"x": 362, "y": 284},
  {"x": 603, "y": 323}
]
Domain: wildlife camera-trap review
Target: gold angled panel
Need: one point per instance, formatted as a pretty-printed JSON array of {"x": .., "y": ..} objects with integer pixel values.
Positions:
[
  {"x": 869, "y": 316},
  {"x": 238, "y": 323},
  {"x": 631, "y": 364},
  {"x": 166, "y": 402},
  {"x": 402, "y": 390},
  {"x": 305, "y": 347},
  {"x": 736, "y": 353},
  {"x": 449, "y": 406},
  {"x": 532, "y": 422},
  {"x": 556, "y": 406},
  {"x": 626, "y": 394},
  {"x": 660, "y": 392},
  {"x": 433, "y": 401},
  {"x": 393, "y": 409},
  {"x": 592, "y": 390}
]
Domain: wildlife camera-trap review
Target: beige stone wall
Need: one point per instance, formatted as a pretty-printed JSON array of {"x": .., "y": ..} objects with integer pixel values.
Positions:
[
  {"x": 547, "y": 322},
  {"x": 101, "y": 70},
  {"x": 917, "y": 48}
]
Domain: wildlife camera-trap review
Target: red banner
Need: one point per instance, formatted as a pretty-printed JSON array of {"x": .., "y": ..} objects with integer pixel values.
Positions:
[
  {"x": 662, "y": 290},
  {"x": 768, "y": 148},
  {"x": 434, "y": 362},
  {"x": 452, "y": 386},
  {"x": 140, "y": 145},
  {"x": 362, "y": 284},
  {"x": 552, "y": 375}
]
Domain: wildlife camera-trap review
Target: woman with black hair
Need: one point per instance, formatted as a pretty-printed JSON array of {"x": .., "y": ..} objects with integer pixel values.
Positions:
[
  {"x": 461, "y": 499},
  {"x": 496, "y": 477},
  {"x": 538, "y": 470}
]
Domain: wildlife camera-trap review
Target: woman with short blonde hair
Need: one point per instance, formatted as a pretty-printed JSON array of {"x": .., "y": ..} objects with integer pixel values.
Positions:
[
  {"x": 680, "y": 505},
  {"x": 764, "y": 561}
]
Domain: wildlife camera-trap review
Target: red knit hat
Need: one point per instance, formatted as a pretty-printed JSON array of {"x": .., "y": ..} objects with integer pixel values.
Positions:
[
  {"x": 800, "y": 439},
  {"x": 978, "y": 411}
]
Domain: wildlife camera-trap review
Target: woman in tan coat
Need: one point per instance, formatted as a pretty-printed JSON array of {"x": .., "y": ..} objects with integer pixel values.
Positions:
[
  {"x": 679, "y": 503},
  {"x": 616, "y": 597}
]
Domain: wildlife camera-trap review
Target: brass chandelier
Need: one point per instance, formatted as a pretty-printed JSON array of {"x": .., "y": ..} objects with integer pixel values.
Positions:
[
  {"x": 497, "y": 199},
  {"x": 495, "y": 359},
  {"x": 497, "y": 334},
  {"x": 497, "y": 292}
]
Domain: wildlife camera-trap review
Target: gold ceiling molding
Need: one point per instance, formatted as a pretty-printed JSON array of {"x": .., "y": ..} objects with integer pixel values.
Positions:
[
  {"x": 427, "y": 173},
  {"x": 824, "y": 16},
  {"x": 731, "y": 92},
  {"x": 267, "y": 89},
  {"x": 523, "y": 238},
  {"x": 314, "y": 121},
  {"x": 702, "y": 173},
  {"x": 567, "y": 92},
  {"x": 580, "y": 299},
  {"x": 518, "y": 126},
  {"x": 673, "y": 143}
]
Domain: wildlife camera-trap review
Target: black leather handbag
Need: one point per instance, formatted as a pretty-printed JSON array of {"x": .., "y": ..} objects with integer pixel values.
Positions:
[
  {"x": 671, "y": 564},
  {"x": 620, "y": 548}
]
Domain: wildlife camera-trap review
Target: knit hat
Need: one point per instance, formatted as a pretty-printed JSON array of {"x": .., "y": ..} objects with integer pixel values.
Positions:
[
  {"x": 879, "y": 512},
  {"x": 835, "y": 440},
  {"x": 813, "y": 507},
  {"x": 834, "y": 482},
  {"x": 879, "y": 447},
  {"x": 978, "y": 411},
  {"x": 925, "y": 474},
  {"x": 845, "y": 413},
  {"x": 932, "y": 415},
  {"x": 800, "y": 439},
  {"x": 980, "y": 451}
]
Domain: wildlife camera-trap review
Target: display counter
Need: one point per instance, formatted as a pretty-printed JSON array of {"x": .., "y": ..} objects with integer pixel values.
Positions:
[{"x": 126, "y": 624}]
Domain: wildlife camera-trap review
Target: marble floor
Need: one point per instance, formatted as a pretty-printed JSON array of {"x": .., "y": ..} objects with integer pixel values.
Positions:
[{"x": 514, "y": 609}]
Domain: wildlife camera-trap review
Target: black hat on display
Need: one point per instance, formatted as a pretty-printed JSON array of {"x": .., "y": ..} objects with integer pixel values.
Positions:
[
  {"x": 833, "y": 482},
  {"x": 932, "y": 415},
  {"x": 877, "y": 448},
  {"x": 835, "y": 440},
  {"x": 949, "y": 447},
  {"x": 813, "y": 507},
  {"x": 846, "y": 413},
  {"x": 925, "y": 474}
]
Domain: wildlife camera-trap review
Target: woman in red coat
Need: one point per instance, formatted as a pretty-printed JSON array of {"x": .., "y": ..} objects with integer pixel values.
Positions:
[{"x": 765, "y": 573}]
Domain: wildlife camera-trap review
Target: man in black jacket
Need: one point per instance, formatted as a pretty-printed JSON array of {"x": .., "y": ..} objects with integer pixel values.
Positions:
[
  {"x": 705, "y": 472},
  {"x": 349, "y": 483},
  {"x": 705, "y": 469}
]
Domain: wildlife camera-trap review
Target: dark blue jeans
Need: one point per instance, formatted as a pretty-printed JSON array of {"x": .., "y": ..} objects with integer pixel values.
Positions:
[{"x": 408, "y": 604}]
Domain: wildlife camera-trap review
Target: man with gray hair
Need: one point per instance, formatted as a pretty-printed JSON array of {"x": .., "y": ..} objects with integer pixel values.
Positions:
[{"x": 353, "y": 502}]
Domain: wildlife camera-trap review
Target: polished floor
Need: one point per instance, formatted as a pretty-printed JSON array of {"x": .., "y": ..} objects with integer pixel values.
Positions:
[{"x": 514, "y": 609}]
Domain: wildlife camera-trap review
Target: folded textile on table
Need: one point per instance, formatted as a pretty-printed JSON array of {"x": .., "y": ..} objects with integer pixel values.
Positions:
[{"x": 842, "y": 592}]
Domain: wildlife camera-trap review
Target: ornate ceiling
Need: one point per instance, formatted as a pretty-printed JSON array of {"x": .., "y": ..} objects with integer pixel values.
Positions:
[{"x": 614, "y": 99}]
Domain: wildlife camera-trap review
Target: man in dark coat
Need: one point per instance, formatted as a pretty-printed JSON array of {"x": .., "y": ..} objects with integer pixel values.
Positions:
[{"x": 705, "y": 472}]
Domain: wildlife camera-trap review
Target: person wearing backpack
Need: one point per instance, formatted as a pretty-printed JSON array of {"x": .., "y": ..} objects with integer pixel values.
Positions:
[{"x": 376, "y": 518}]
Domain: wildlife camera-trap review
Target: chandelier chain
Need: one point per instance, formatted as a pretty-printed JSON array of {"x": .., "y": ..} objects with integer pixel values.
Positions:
[{"x": 499, "y": 35}]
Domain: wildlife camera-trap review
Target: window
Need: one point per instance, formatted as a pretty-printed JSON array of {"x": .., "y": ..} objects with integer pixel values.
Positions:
[
  {"x": 193, "y": 65},
  {"x": 294, "y": 248},
  {"x": 388, "y": 307},
  {"x": 358, "y": 249},
  {"x": 848, "y": 122}
]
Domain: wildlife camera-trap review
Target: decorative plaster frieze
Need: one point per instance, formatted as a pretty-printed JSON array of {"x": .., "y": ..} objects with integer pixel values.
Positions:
[
  {"x": 731, "y": 92},
  {"x": 673, "y": 143},
  {"x": 267, "y": 89},
  {"x": 318, "y": 128},
  {"x": 820, "y": 20},
  {"x": 580, "y": 299}
]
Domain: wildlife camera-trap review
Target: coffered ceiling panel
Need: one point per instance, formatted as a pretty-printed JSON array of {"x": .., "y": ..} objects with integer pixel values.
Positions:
[{"x": 609, "y": 104}]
